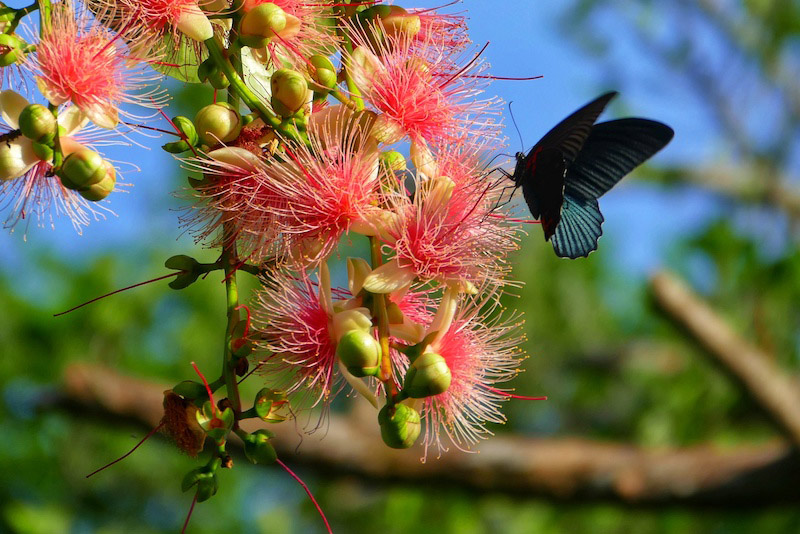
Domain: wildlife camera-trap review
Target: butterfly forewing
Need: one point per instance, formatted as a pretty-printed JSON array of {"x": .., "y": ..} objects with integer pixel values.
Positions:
[
  {"x": 570, "y": 134},
  {"x": 612, "y": 150},
  {"x": 544, "y": 190}
]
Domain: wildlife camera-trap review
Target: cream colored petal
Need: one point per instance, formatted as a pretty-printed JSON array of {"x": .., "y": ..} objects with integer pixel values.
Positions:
[
  {"x": 423, "y": 159},
  {"x": 292, "y": 27},
  {"x": 354, "y": 319},
  {"x": 51, "y": 96},
  {"x": 11, "y": 105},
  {"x": 357, "y": 271},
  {"x": 389, "y": 277},
  {"x": 445, "y": 314},
  {"x": 16, "y": 158},
  {"x": 195, "y": 24},
  {"x": 237, "y": 157},
  {"x": 104, "y": 117},
  {"x": 409, "y": 332},
  {"x": 72, "y": 120},
  {"x": 325, "y": 297},
  {"x": 362, "y": 66},
  {"x": 358, "y": 385}
]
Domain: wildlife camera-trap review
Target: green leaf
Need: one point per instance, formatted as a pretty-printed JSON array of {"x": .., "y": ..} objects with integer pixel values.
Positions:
[{"x": 185, "y": 57}]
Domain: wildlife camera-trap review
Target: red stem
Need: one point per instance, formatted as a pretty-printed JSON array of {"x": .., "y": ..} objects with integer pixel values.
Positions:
[
  {"x": 149, "y": 434},
  {"x": 308, "y": 492},
  {"x": 118, "y": 291},
  {"x": 189, "y": 515}
]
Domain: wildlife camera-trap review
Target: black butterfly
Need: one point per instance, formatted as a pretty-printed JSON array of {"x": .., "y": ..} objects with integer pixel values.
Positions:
[{"x": 574, "y": 164}]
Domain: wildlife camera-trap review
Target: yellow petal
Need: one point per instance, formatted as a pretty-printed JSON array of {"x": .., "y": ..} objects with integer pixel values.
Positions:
[
  {"x": 16, "y": 158},
  {"x": 195, "y": 24},
  {"x": 236, "y": 156},
  {"x": 389, "y": 277}
]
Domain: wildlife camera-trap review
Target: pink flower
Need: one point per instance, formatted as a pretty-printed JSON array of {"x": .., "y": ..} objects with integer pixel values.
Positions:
[
  {"x": 316, "y": 194},
  {"x": 83, "y": 63},
  {"x": 480, "y": 352},
  {"x": 420, "y": 90},
  {"x": 447, "y": 232},
  {"x": 442, "y": 29},
  {"x": 148, "y": 21}
]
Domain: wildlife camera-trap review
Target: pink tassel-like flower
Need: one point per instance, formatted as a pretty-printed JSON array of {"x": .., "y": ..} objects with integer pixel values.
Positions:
[
  {"x": 480, "y": 352},
  {"x": 317, "y": 194},
  {"x": 146, "y": 22},
  {"x": 421, "y": 92},
  {"x": 442, "y": 29},
  {"x": 81, "y": 62}
]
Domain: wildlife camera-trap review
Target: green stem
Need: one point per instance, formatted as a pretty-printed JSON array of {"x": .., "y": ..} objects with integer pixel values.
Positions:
[
  {"x": 232, "y": 302},
  {"x": 45, "y": 12},
  {"x": 58, "y": 155},
  {"x": 338, "y": 95},
  {"x": 379, "y": 300},
  {"x": 352, "y": 88},
  {"x": 19, "y": 15}
]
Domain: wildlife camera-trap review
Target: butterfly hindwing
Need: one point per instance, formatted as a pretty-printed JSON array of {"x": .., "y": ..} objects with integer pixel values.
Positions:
[
  {"x": 579, "y": 229},
  {"x": 612, "y": 150}
]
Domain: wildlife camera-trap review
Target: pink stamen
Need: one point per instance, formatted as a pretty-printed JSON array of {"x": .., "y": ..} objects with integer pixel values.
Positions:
[
  {"x": 308, "y": 492},
  {"x": 119, "y": 291},
  {"x": 513, "y": 396},
  {"x": 465, "y": 67},
  {"x": 296, "y": 52},
  {"x": 511, "y": 219},
  {"x": 149, "y": 434},
  {"x": 454, "y": 2}
]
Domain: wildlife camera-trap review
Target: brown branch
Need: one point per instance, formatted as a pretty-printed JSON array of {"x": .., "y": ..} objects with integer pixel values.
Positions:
[
  {"x": 774, "y": 391},
  {"x": 556, "y": 468}
]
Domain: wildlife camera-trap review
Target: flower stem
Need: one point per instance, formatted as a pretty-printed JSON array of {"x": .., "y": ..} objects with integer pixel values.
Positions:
[
  {"x": 58, "y": 155},
  {"x": 232, "y": 303},
  {"x": 383, "y": 328}
]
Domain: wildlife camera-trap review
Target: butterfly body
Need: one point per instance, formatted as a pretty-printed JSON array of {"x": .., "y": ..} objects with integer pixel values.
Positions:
[{"x": 574, "y": 164}]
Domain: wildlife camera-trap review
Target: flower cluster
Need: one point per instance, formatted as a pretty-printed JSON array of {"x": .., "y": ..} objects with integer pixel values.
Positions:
[{"x": 340, "y": 122}]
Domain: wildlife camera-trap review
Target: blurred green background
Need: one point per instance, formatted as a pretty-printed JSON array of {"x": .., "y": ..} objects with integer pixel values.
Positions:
[{"x": 720, "y": 208}]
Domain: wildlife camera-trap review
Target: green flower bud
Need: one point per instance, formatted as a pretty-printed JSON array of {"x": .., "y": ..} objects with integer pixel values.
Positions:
[
  {"x": 10, "y": 49},
  {"x": 360, "y": 353},
  {"x": 289, "y": 91},
  {"x": 324, "y": 72},
  {"x": 205, "y": 478},
  {"x": 189, "y": 389},
  {"x": 267, "y": 404},
  {"x": 104, "y": 187},
  {"x": 260, "y": 24},
  {"x": 82, "y": 168},
  {"x": 393, "y": 160},
  {"x": 218, "y": 123},
  {"x": 400, "y": 426},
  {"x": 215, "y": 422},
  {"x": 176, "y": 147},
  {"x": 258, "y": 449},
  {"x": 37, "y": 123},
  {"x": 43, "y": 152},
  {"x": 428, "y": 375},
  {"x": 394, "y": 20}
]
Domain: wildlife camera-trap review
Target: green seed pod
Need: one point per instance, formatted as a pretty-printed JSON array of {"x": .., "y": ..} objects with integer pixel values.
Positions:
[
  {"x": 400, "y": 426},
  {"x": 176, "y": 147},
  {"x": 82, "y": 168},
  {"x": 260, "y": 24},
  {"x": 37, "y": 123},
  {"x": 289, "y": 91},
  {"x": 360, "y": 353},
  {"x": 258, "y": 449},
  {"x": 104, "y": 187},
  {"x": 218, "y": 123},
  {"x": 324, "y": 72},
  {"x": 428, "y": 375}
]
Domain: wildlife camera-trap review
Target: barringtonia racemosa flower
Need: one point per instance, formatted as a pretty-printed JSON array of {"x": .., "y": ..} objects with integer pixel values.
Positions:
[
  {"x": 79, "y": 61},
  {"x": 481, "y": 350},
  {"x": 421, "y": 92},
  {"x": 147, "y": 22},
  {"x": 28, "y": 188}
]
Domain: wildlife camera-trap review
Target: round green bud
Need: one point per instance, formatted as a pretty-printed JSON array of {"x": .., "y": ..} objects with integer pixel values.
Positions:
[
  {"x": 9, "y": 49},
  {"x": 260, "y": 24},
  {"x": 103, "y": 188},
  {"x": 324, "y": 73},
  {"x": 82, "y": 168},
  {"x": 360, "y": 353},
  {"x": 400, "y": 426},
  {"x": 176, "y": 147},
  {"x": 218, "y": 123},
  {"x": 393, "y": 160},
  {"x": 258, "y": 449},
  {"x": 428, "y": 375},
  {"x": 399, "y": 21},
  {"x": 289, "y": 91},
  {"x": 218, "y": 80},
  {"x": 37, "y": 123}
]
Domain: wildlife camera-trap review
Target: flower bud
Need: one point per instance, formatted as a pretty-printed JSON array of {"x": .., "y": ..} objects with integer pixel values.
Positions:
[
  {"x": 258, "y": 449},
  {"x": 186, "y": 128},
  {"x": 82, "y": 168},
  {"x": 394, "y": 20},
  {"x": 194, "y": 23},
  {"x": 400, "y": 426},
  {"x": 205, "y": 478},
  {"x": 351, "y": 319},
  {"x": 289, "y": 91},
  {"x": 428, "y": 375},
  {"x": 360, "y": 353},
  {"x": 260, "y": 24},
  {"x": 218, "y": 123},
  {"x": 37, "y": 123},
  {"x": 324, "y": 72},
  {"x": 9, "y": 49},
  {"x": 267, "y": 404},
  {"x": 393, "y": 160},
  {"x": 104, "y": 187}
]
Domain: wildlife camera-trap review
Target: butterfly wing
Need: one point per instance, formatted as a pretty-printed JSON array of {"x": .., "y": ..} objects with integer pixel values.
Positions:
[
  {"x": 579, "y": 229},
  {"x": 544, "y": 190},
  {"x": 612, "y": 150}
]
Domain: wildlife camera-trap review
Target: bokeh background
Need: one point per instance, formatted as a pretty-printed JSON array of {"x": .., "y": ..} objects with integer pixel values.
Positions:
[{"x": 718, "y": 209}]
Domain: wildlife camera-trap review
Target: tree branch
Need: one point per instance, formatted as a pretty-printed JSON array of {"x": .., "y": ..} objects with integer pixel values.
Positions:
[
  {"x": 565, "y": 469},
  {"x": 774, "y": 391}
]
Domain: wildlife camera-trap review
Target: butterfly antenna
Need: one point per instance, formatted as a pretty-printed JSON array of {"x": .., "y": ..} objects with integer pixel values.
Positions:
[{"x": 511, "y": 112}]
